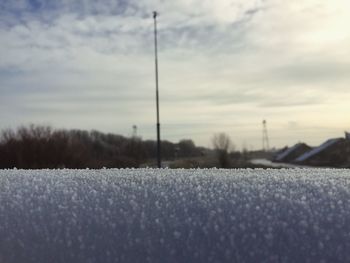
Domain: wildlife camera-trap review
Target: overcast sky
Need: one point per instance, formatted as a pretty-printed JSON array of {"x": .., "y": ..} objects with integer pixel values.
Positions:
[{"x": 224, "y": 67}]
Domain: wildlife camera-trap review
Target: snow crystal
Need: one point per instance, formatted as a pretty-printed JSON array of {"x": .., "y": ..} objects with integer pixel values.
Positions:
[{"x": 145, "y": 215}]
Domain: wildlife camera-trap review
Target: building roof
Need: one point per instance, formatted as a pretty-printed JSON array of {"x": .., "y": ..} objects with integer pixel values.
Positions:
[
  {"x": 347, "y": 135},
  {"x": 318, "y": 149},
  {"x": 286, "y": 152}
]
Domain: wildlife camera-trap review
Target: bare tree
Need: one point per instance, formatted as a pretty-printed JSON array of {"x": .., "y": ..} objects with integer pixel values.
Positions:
[{"x": 222, "y": 145}]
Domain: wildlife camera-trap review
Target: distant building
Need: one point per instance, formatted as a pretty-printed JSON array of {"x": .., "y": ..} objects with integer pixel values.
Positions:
[
  {"x": 332, "y": 153},
  {"x": 291, "y": 153},
  {"x": 347, "y": 135}
]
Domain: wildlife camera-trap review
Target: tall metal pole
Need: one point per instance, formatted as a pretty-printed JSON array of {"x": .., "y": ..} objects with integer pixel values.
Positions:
[{"x": 159, "y": 162}]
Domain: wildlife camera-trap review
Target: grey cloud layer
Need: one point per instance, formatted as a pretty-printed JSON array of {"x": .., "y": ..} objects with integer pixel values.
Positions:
[{"x": 217, "y": 58}]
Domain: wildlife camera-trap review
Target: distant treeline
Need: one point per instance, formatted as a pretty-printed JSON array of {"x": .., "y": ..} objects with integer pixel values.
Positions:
[{"x": 34, "y": 147}]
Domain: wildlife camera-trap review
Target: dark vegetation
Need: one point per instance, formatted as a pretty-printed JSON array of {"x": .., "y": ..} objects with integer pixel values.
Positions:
[
  {"x": 35, "y": 147},
  {"x": 222, "y": 145}
]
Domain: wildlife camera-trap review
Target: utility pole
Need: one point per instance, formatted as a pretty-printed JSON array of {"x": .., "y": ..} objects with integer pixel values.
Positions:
[{"x": 159, "y": 162}]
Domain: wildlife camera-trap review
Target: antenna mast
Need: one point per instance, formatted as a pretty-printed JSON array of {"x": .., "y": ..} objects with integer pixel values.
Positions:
[
  {"x": 265, "y": 138},
  {"x": 159, "y": 162}
]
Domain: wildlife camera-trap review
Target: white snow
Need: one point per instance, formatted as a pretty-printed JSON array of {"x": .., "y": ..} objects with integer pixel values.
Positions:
[{"x": 146, "y": 215}]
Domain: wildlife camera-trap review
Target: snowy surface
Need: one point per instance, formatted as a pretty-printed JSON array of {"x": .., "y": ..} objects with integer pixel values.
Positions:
[
  {"x": 268, "y": 163},
  {"x": 73, "y": 216}
]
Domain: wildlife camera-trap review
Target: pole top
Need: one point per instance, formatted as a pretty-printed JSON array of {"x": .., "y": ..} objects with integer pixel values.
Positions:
[{"x": 155, "y": 14}]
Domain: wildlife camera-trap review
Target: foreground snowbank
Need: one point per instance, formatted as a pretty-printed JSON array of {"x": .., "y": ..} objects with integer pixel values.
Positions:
[{"x": 146, "y": 215}]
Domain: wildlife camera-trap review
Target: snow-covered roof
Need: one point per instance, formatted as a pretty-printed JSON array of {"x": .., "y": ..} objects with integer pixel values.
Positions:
[
  {"x": 285, "y": 153},
  {"x": 317, "y": 150}
]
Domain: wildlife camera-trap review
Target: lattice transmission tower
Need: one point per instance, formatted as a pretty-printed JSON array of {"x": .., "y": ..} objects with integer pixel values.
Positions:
[{"x": 265, "y": 137}]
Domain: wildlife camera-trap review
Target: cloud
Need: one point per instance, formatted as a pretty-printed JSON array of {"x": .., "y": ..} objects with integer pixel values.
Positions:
[{"x": 229, "y": 64}]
